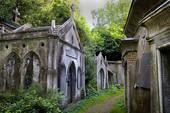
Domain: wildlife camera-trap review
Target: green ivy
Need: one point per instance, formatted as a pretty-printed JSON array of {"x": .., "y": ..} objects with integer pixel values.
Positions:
[{"x": 33, "y": 100}]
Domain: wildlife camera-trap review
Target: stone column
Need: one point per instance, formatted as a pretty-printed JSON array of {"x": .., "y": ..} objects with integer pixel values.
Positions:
[
  {"x": 129, "y": 56},
  {"x": 50, "y": 70}
]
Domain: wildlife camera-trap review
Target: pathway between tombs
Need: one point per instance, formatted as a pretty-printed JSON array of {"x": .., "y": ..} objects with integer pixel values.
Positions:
[{"x": 106, "y": 106}]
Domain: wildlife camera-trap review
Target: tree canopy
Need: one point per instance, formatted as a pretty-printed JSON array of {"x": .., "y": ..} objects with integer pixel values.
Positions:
[
  {"x": 108, "y": 30},
  {"x": 115, "y": 11},
  {"x": 37, "y": 12}
]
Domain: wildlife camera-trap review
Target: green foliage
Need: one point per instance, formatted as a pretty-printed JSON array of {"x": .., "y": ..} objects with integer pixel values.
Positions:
[
  {"x": 33, "y": 100},
  {"x": 37, "y": 12},
  {"x": 108, "y": 30},
  {"x": 54, "y": 10},
  {"x": 95, "y": 97},
  {"x": 6, "y": 7},
  {"x": 115, "y": 11},
  {"x": 119, "y": 107},
  {"x": 88, "y": 45},
  {"x": 108, "y": 44}
]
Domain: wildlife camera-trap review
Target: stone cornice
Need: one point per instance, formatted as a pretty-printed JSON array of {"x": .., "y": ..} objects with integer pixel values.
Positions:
[{"x": 155, "y": 12}]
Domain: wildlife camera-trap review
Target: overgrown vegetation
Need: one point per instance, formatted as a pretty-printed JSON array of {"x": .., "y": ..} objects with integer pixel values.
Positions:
[
  {"x": 105, "y": 37},
  {"x": 89, "y": 49},
  {"x": 33, "y": 100},
  {"x": 94, "y": 97},
  {"x": 108, "y": 30},
  {"x": 119, "y": 107},
  {"x": 36, "y": 12}
]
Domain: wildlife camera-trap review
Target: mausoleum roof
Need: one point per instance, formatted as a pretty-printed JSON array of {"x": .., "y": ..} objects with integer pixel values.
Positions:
[
  {"x": 9, "y": 25},
  {"x": 138, "y": 10}
]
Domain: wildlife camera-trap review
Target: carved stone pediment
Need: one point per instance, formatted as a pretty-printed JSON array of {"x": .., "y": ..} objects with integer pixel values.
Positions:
[
  {"x": 72, "y": 53},
  {"x": 63, "y": 29}
]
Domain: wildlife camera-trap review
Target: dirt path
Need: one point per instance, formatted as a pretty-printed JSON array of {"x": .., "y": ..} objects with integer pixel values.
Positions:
[{"x": 104, "y": 107}]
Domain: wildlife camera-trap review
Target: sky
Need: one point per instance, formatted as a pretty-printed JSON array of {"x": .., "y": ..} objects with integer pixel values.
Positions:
[{"x": 86, "y": 6}]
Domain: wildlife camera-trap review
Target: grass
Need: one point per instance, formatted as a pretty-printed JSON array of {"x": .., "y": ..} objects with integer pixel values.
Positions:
[
  {"x": 96, "y": 98},
  {"x": 119, "y": 107}
]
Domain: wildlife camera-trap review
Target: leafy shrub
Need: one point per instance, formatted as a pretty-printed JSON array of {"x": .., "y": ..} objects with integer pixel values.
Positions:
[
  {"x": 119, "y": 86},
  {"x": 33, "y": 100}
]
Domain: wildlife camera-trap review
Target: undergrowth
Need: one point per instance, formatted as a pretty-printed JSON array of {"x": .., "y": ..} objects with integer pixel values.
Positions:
[
  {"x": 95, "y": 97},
  {"x": 119, "y": 107},
  {"x": 33, "y": 100}
]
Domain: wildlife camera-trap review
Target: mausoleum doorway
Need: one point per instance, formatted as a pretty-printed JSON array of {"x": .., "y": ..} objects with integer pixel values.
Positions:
[
  {"x": 165, "y": 78},
  {"x": 71, "y": 83},
  {"x": 32, "y": 69},
  {"x": 101, "y": 79},
  {"x": 12, "y": 68}
]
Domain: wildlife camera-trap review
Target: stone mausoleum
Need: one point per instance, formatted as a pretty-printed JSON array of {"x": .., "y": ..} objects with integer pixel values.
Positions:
[
  {"x": 146, "y": 57},
  {"x": 51, "y": 56},
  {"x": 108, "y": 72}
]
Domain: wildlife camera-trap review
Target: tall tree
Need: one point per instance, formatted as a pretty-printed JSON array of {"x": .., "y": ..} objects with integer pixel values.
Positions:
[
  {"x": 109, "y": 22},
  {"x": 115, "y": 11}
]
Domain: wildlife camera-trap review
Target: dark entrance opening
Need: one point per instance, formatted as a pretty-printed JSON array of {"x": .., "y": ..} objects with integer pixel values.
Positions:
[
  {"x": 110, "y": 78},
  {"x": 126, "y": 84},
  {"x": 165, "y": 75},
  {"x": 12, "y": 72},
  {"x": 101, "y": 79},
  {"x": 32, "y": 67},
  {"x": 71, "y": 89}
]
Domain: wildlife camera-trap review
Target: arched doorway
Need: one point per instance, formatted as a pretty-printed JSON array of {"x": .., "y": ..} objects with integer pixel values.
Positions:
[
  {"x": 32, "y": 69},
  {"x": 12, "y": 71},
  {"x": 71, "y": 83},
  {"x": 101, "y": 79}
]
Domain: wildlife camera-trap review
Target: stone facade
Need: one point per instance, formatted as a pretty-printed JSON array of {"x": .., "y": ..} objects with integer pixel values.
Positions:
[
  {"x": 115, "y": 69},
  {"x": 51, "y": 56},
  {"x": 108, "y": 72},
  {"x": 145, "y": 57},
  {"x": 101, "y": 72}
]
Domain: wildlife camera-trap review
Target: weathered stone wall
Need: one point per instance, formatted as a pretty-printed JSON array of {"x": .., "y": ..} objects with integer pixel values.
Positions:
[
  {"x": 143, "y": 73},
  {"x": 159, "y": 32},
  {"x": 129, "y": 50},
  {"x": 22, "y": 48},
  {"x": 101, "y": 65},
  {"x": 150, "y": 92},
  {"x": 130, "y": 81},
  {"x": 136, "y": 59},
  {"x": 69, "y": 56},
  {"x": 116, "y": 68},
  {"x": 112, "y": 71},
  {"x": 152, "y": 66},
  {"x": 52, "y": 56}
]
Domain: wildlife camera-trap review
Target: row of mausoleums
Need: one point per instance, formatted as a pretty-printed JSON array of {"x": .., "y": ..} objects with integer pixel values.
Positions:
[
  {"x": 108, "y": 73},
  {"x": 51, "y": 56},
  {"x": 146, "y": 57}
]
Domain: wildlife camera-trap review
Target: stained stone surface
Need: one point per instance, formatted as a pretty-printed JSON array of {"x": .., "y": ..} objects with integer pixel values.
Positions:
[
  {"x": 43, "y": 55},
  {"x": 147, "y": 83},
  {"x": 108, "y": 72}
]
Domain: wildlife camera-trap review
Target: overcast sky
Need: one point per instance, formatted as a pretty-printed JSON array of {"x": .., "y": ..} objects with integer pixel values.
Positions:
[{"x": 86, "y": 6}]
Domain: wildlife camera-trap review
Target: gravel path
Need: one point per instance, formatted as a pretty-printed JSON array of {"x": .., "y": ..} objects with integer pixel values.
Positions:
[{"x": 104, "y": 107}]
